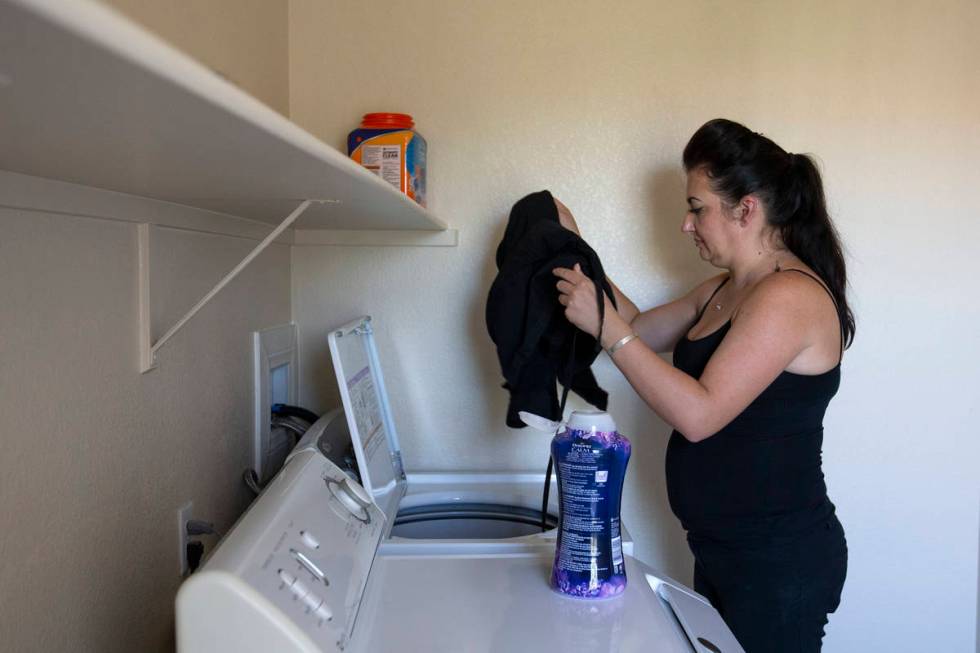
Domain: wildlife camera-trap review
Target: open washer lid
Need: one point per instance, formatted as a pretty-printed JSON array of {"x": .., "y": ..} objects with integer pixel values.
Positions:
[{"x": 366, "y": 406}]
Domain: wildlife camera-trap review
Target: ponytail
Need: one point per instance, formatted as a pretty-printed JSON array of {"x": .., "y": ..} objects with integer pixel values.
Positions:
[{"x": 740, "y": 162}]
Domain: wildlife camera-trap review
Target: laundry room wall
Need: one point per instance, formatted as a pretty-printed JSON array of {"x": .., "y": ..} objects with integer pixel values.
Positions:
[
  {"x": 244, "y": 41},
  {"x": 97, "y": 458},
  {"x": 596, "y": 101}
]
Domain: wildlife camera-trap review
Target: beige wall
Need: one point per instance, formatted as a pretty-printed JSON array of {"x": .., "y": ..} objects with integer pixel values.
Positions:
[
  {"x": 96, "y": 457},
  {"x": 595, "y": 101},
  {"x": 245, "y": 41}
]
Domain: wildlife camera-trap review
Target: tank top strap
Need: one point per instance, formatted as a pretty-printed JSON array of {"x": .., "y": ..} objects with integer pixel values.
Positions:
[
  {"x": 708, "y": 303},
  {"x": 820, "y": 282}
]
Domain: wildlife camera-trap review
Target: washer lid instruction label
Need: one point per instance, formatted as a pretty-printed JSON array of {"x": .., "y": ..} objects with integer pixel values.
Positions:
[{"x": 367, "y": 411}]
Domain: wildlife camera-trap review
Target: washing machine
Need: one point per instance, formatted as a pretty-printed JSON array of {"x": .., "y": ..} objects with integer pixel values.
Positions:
[
  {"x": 304, "y": 571},
  {"x": 425, "y": 512}
]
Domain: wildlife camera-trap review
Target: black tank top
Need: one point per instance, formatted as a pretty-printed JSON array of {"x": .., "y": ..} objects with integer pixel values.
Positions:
[{"x": 760, "y": 476}]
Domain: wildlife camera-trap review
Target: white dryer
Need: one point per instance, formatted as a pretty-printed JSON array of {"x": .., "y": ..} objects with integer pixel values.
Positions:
[
  {"x": 303, "y": 572},
  {"x": 425, "y": 511}
]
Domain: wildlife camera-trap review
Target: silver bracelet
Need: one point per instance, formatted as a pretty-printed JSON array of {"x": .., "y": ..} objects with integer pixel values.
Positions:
[{"x": 622, "y": 342}]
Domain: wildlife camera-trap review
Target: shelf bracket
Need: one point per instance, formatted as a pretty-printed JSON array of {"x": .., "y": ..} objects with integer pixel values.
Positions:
[{"x": 148, "y": 349}]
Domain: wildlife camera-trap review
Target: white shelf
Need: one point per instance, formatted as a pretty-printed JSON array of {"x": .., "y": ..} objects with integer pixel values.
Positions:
[{"x": 90, "y": 98}]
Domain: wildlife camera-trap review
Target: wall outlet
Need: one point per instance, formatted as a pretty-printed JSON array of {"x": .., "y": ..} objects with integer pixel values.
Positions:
[{"x": 184, "y": 514}]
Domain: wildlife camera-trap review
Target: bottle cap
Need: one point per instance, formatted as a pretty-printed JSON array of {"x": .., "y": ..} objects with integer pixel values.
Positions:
[
  {"x": 387, "y": 121},
  {"x": 591, "y": 420}
]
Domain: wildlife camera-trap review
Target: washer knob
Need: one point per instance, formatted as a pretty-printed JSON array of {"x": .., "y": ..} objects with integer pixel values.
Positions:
[
  {"x": 356, "y": 492},
  {"x": 309, "y": 540},
  {"x": 323, "y": 612},
  {"x": 286, "y": 577},
  {"x": 352, "y": 496}
]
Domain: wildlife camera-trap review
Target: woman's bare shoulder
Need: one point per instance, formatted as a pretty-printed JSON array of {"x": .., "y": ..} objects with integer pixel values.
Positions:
[{"x": 794, "y": 287}]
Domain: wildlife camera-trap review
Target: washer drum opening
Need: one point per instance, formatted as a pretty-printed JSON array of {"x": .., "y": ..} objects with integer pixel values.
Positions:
[{"x": 466, "y": 521}]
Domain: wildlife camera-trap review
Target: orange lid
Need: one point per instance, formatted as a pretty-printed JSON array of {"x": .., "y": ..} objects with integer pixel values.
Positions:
[{"x": 387, "y": 121}]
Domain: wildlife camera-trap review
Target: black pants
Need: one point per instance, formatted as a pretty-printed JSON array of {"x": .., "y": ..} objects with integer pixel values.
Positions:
[{"x": 775, "y": 597}]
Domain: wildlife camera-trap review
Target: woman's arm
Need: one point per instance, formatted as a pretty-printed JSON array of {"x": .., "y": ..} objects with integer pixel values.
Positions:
[
  {"x": 624, "y": 305},
  {"x": 660, "y": 327},
  {"x": 771, "y": 328}
]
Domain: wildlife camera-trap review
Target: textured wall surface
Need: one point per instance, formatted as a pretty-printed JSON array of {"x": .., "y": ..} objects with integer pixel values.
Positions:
[
  {"x": 96, "y": 457},
  {"x": 245, "y": 41},
  {"x": 595, "y": 101}
]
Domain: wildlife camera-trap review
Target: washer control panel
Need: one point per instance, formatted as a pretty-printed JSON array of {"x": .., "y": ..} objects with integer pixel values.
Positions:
[
  {"x": 306, "y": 547},
  {"x": 315, "y": 566}
]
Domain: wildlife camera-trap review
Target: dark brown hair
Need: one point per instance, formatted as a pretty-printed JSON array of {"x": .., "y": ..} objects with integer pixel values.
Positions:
[{"x": 740, "y": 162}]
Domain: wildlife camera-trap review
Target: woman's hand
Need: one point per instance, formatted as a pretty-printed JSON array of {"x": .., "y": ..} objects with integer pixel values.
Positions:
[
  {"x": 576, "y": 292},
  {"x": 565, "y": 218}
]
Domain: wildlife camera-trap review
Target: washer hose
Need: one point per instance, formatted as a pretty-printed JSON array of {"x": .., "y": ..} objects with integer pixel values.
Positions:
[{"x": 286, "y": 410}]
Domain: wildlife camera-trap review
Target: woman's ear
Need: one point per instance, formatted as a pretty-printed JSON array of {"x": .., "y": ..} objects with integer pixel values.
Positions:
[{"x": 747, "y": 210}]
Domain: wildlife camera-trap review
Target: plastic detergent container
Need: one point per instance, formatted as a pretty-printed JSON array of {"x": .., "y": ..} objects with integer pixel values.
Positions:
[
  {"x": 387, "y": 145},
  {"x": 590, "y": 458}
]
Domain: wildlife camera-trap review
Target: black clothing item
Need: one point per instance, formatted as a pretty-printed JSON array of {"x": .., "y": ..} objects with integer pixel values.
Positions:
[
  {"x": 776, "y": 598},
  {"x": 536, "y": 344},
  {"x": 769, "y": 551}
]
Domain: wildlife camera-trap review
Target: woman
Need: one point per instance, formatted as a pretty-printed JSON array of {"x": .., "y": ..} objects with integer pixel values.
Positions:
[{"x": 757, "y": 353}]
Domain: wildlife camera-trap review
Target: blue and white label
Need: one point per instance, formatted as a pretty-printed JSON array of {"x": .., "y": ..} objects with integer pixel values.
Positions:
[{"x": 589, "y": 551}]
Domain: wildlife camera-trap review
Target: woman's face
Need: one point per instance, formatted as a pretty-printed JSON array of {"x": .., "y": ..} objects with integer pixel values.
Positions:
[{"x": 708, "y": 220}]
